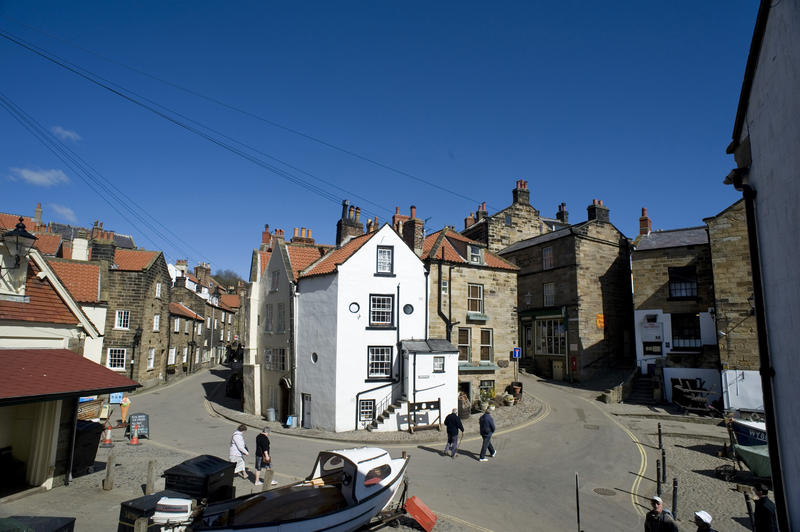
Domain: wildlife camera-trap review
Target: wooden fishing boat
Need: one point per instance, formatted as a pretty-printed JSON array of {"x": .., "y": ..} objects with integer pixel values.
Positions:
[
  {"x": 749, "y": 432},
  {"x": 345, "y": 490},
  {"x": 756, "y": 457}
]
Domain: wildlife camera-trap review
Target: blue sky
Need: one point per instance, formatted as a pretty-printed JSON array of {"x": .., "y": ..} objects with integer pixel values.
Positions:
[{"x": 632, "y": 105}]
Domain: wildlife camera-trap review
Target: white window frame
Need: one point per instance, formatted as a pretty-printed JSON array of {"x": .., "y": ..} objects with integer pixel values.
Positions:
[
  {"x": 171, "y": 358},
  {"x": 550, "y": 337},
  {"x": 474, "y": 254},
  {"x": 381, "y": 307},
  {"x": 379, "y": 362},
  {"x": 186, "y": 326},
  {"x": 274, "y": 284},
  {"x": 222, "y": 335},
  {"x": 230, "y": 318},
  {"x": 445, "y": 288},
  {"x": 547, "y": 258},
  {"x": 158, "y": 290},
  {"x": 384, "y": 262},
  {"x": 438, "y": 364},
  {"x": 200, "y": 328},
  {"x": 229, "y": 335},
  {"x": 185, "y": 354},
  {"x": 177, "y": 328},
  {"x": 548, "y": 294},
  {"x": 268, "y": 319},
  {"x": 122, "y": 320},
  {"x": 267, "y": 358},
  {"x": 281, "y": 321},
  {"x": 366, "y": 410},
  {"x": 118, "y": 351},
  {"x": 151, "y": 358},
  {"x": 156, "y": 322},
  {"x": 471, "y": 299},
  {"x": 209, "y": 322}
]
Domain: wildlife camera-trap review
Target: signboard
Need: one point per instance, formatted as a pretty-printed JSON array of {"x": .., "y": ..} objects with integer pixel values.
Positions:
[
  {"x": 115, "y": 398},
  {"x": 517, "y": 353},
  {"x": 600, "y": 320},
  {"x": 143, "y": 421},
  {"x": 652, "y": 332}
]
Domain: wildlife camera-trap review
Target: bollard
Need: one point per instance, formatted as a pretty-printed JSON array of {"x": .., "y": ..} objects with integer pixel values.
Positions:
[
  {"x": 577, "y": 502},
  {"x": 675, "y": 498},
  {"x": 663, "y": 466},
  {"x": 750, "y": 511},
  {"x": 658, "y": 478},
  {"x": 660, "y": 443},
  {"x": 150, "y": 486},
  {"x": 108, "y": 483}
]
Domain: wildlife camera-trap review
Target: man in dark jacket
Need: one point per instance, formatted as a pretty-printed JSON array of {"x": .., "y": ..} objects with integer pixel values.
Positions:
[
  {"x": 486, "y": 424},
  {"x": 659, "y": 519},
  {"x": 764, "y": 515},
  {"x": 453, "y": 424}
]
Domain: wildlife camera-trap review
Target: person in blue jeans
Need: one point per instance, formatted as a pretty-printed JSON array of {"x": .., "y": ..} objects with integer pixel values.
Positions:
[
  {"x": 453, "y": 424},
  {"x": 486, "y": 424}
]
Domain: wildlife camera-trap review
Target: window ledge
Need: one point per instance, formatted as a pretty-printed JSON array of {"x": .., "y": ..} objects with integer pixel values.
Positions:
[
  {"x": 381, "y": 328},
  {"x": 378, "y": 379},
  {"x": 468, "y": 368},
  {"x": 382, "y": 274}
]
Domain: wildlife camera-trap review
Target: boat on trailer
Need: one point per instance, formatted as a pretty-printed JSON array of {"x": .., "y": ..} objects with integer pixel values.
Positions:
[{"x": 345, "y": 490}]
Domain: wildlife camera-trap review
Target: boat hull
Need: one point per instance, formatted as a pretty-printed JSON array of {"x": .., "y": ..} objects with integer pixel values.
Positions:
[
  {"x": 756, "y": 457},
  {"x": 749, "y": 433}
]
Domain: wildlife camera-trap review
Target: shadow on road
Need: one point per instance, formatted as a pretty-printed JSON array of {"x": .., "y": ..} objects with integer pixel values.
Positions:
[
  {"x": 642, "y": 477},
  {"x": 645, "y": 505}
]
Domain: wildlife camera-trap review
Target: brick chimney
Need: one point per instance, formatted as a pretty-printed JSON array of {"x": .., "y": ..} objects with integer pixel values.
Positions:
[
  {"x": 481, "y": 213},
  {"x": 349, "y": 225},
  {"x": 562, "y": 215},
  {"x": 102, "y": 250},
  {"x": 598, "y": 211},
  {"x": 301, "y": 236},
  {"x": 266, "y": 238},
  {"x": 37, "y": 215},
  {"x": 414, "y": 231},
  {"x": 521, "y": 194},
  {"x": 203, "y": 273},
  {"x": 645, "y": 224},
  {"x": 469, "y": 220},
  {"x": 180, "y": 265}
]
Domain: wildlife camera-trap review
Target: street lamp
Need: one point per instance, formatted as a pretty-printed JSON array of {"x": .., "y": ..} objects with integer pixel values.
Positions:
[{"x": 18, "y": 242}]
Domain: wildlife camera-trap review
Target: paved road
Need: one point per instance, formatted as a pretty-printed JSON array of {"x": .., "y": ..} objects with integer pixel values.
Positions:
[{"x": 530, "y": 485}]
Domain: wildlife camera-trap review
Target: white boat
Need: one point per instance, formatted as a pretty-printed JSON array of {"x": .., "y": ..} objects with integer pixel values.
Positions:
[
  {"x": 748, "y": 432},
  {"x": 346, "y": 489}
]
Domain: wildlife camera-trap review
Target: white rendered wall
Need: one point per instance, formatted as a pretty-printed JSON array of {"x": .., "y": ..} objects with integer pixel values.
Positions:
[
  {"x": 742, "y": 390},
  {"x": 317, "y": 323},
  {"x": 357, "y": 280},
  {"x": 93, "y": 347},
  {"x": 30, "y": 335},
  {"x": 708, "y": 333},
  {"x": 774, "y": 129},
  {"x": 437, "y": 386}
]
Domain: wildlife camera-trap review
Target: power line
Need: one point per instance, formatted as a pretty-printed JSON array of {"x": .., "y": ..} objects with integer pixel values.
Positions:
[
  {"x": 245, "y": 112},
  {"x": 92, "y": 178},
  {"x": 97, "y": 80}
]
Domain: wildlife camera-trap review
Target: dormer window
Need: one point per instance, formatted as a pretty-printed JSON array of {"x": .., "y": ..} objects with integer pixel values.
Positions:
[
  {"x": 385, "y": 260},
  {"x": 474, "y": 254}
]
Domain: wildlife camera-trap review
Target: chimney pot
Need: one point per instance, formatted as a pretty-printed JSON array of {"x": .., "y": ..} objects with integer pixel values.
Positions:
[
  {"x": 413, "y": 211},
  {"x": 309, "y": 234},
  {"x": 358, "y": 215},
  {"x": 295, "y": 232},
  {"x": 397, "y": 210},
  {"x": 302, "y": 232}
]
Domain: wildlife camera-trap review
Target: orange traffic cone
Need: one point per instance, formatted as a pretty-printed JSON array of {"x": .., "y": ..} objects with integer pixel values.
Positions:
[
  {"x": 135, "y": 438},
  {"x": 107, "y": 437}
]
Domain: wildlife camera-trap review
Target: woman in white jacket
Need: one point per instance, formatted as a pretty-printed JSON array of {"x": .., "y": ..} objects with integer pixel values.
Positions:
[{"x": 238, "y": 451}]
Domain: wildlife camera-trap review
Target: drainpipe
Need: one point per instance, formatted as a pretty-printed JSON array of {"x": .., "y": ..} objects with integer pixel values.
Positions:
[
  {"x": 445, "y": 318},
  {"x": 766, "y": 370},
  {"x": 68, "y": 476}
]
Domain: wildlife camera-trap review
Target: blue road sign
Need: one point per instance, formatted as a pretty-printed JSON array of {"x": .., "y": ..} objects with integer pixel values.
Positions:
[
  {"x": 517, "y": 353},
  {"x": 115, "y": 398}
]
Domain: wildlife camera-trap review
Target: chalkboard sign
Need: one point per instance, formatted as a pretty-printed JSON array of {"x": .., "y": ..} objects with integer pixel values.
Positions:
[{"x": 143, "y": 420}]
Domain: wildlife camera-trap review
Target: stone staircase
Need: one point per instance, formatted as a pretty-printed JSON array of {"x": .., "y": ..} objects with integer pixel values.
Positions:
[
  {"x": 378, "y": 424},
  {"x": 642, "y": 392}
]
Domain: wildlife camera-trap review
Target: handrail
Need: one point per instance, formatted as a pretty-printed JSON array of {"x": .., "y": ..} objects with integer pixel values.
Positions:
[{"x": 392, "y": 383}]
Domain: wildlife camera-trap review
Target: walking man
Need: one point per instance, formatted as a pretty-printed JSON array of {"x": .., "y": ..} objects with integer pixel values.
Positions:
[
  {"x": 659, "y": 519},
  {"x": 764, "y": 515},
  {"x": 486, "y": 424},
  {"x": 262, "y": 456},
  {"x": 453, "y": 424},
  {"x": 703, "y": 521},
  {"x": 238, "y": 451}
]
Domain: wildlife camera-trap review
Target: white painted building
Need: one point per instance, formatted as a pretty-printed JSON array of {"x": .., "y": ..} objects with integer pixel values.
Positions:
[
  {"x": 766, "y": 137},
  {"x": 353, "y": 308}
]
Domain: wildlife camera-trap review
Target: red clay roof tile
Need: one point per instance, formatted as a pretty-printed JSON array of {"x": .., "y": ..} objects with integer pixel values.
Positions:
[
  {"x": 301, "y": 257},
  {"x": 264, "y": 260},
  {"x": 47, "y": 243},
  {"x": 338, "y": 256},
  {"x": 180, "y": 309},
  {"x": 44, "y": 304},
  {"x": 230, "y": 300},
  {"x": 132, "y": 260},
  {"x": 82, "y": 279}
]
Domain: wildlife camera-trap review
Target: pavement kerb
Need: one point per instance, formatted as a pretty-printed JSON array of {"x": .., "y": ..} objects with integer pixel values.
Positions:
[
  {"x": 533, "y": 418},
  {"x": 672, "y": 417}
]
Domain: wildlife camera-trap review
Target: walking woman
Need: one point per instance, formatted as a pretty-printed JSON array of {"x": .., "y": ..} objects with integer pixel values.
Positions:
[{"x": 238, "y": 451}]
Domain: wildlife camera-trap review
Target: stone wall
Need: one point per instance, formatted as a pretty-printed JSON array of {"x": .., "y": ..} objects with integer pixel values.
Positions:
[
  {"x": 651, "y": 278},
  {"x": 499, "y": 296},
  {"x": 733, "y": 285}
]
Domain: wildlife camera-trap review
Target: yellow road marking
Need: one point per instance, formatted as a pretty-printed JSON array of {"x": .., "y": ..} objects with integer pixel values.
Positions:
[
  {"x": 461, "y": 521},
  {"x": 643, "y": 464}
]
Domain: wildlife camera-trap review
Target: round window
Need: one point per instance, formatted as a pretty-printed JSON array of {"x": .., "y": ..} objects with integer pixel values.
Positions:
[
  {"x": 354, "y": 307},
  {"x": 314, "y": 358},
  {"x": 408, "y": 309}
]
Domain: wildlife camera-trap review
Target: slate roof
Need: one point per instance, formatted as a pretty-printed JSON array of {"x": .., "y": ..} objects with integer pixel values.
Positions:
[
  {"x": 334, "y": 258},
  {"x": 440, "y": 245},
  {"x": 431, "y": 345},
  {"x": 541, "y": 239},
  {"x": 32, "y": 375},
  {"x": 44, "y": 304},
  {"x": 82, "y": 279},
  {"x": 690, "y": 236},
  {"x": 179, "y": 309}
]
